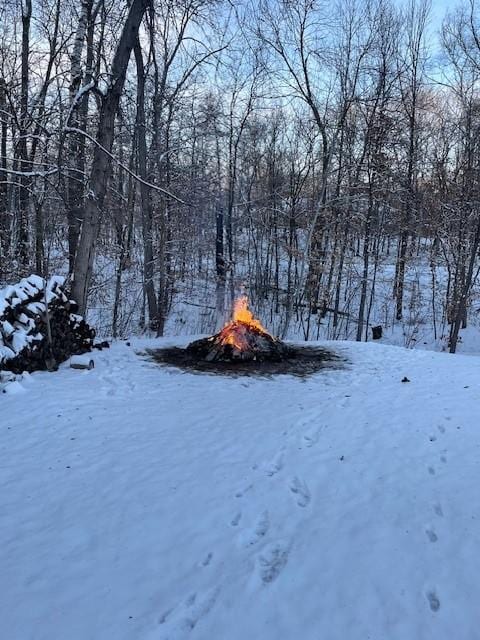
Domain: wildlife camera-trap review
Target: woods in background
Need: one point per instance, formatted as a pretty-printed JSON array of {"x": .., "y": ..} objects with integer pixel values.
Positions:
[{"x": 164, "y": 153}]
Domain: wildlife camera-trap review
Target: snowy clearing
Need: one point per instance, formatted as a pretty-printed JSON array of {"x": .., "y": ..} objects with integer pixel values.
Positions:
[{"x": 144, "y": 503}]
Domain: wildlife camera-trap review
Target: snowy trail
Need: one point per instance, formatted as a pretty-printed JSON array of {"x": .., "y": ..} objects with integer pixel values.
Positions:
[{"x": 139, "y": 502}]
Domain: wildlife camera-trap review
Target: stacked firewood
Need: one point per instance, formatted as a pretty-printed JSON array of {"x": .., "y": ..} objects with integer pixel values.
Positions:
[{"x": 39, "y": 326}]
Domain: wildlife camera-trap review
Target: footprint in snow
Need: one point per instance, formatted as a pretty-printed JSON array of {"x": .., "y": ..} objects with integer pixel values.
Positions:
[
  {"x": 443, "y": 459},
  {"x": 241, "y": 492},
  {"x": 272, "y": 560},
  {"x": 441, "y": 428},
  {"x": 431, "y": 471},
  {"x": 114, "y": 381},
  {"x": 236, "y": 519},
  {"x": 252, "y": 535},
  {"x": 310, "y": 437},
  {"x": 185, "y": 616},
  {"x": 433, "y": 600},
  {"x": 431, "y": 535},
  {"x": 300, "y": 490},
  {"x": 110, "y": 389},
  {"x": 207, "y": 560},
  {"x": 438, "y": 510},
  {"x": 275, "y": 465}
]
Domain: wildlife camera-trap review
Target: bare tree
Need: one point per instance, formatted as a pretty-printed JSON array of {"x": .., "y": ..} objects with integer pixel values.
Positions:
[{"x": 101, "y": 164}]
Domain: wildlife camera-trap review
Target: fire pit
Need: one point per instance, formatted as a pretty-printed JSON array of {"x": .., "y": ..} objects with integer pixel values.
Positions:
[{"x": 244, "y": 348}]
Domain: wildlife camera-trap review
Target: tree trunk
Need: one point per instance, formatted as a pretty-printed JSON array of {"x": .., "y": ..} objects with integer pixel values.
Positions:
[
  {"x": 145, "y": 195},
  {"x": 22, "y": 151},
  {"x": 220, "y": 269},
  {"x": 4, "y": 225},
  {"x": 101, "y": 165},
  {"x": 461, "y": 308},
  {"x": 76, "y": 149}
]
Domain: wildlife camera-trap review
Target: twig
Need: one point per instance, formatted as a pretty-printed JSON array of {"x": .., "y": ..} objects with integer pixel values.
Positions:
[{"x": 124, "y": 167}]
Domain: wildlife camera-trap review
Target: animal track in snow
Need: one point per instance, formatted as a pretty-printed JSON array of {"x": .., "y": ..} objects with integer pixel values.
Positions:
[
  {"x": 431, "y": 471},
  {"x": 236, "y": 519},
  {"x": 302, "y": 493},
  {"x": 311, "y": 437},
  {"x": 441, "y": 428},
  {"x": 207, "y": 560},
  {"x": 275, "y": 465},
  {"x": 433, "y": 600},
  {"x": 443, "y": 459},
  {"x": 107, "y": 388},
  {"x": 114, "y": 381},
  {"x": 438, "y": 510},
  {"x": 185, "y": 616},
  {"x": 241, "y": 492},
  {"x": 431, "y": 535},
  {"x": 251, "y": 536},
  {"x": 271, "y": 560}
]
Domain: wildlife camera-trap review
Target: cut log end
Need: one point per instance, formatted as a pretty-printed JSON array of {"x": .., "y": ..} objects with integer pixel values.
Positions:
[{"x": 81, "y": 362}]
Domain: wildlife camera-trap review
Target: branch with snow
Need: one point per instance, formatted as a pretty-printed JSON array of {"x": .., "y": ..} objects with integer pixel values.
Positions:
[{"x": 123, "y": 166}]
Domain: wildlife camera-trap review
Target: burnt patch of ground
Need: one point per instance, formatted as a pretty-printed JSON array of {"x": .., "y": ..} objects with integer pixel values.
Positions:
[{"x": 300, "y": 362}]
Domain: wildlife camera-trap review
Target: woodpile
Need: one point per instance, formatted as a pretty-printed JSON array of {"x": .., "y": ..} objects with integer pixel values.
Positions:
[{"x": 39, "y": 326}]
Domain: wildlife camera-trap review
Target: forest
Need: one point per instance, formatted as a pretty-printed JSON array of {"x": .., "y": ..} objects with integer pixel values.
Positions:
[{"x": 165, "y": 155}]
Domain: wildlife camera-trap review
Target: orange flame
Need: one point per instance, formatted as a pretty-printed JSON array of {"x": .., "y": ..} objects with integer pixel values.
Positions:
[
  {"x": 235, "y": 332},
  {"x": 241, "y": 313}
]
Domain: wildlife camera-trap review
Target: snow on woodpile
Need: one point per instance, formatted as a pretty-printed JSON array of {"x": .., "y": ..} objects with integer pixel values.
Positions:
[{"x": 39, "y": 326}]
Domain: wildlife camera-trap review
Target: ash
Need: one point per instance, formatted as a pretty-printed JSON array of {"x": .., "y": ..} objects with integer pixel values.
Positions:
[{"x": 299, "y": 361}]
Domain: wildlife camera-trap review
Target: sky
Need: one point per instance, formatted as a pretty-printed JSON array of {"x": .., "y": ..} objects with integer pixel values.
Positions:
[{"x": 438, "y": 10}]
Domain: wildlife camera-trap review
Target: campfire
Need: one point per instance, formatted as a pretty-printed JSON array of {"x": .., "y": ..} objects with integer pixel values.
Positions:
[
  {"x": 242, "y": 339},
  {"x": 245, "y": 348}
]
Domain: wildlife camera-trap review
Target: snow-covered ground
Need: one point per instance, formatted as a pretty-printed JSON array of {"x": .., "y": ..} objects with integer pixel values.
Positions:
[{"x": 143, "y": 503}]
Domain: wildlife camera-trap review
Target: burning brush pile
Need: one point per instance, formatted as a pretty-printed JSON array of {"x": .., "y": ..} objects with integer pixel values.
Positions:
[
  {"x": 245, "y": 348},
  {"x": 242, "y": 339}
]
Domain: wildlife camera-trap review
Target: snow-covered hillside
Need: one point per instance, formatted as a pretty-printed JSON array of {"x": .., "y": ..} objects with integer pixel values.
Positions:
[{"x": 143, "y": 503}]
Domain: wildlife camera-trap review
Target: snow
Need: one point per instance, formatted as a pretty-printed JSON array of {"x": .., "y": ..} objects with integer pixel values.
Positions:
[{"x": 143, "y": 503}]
